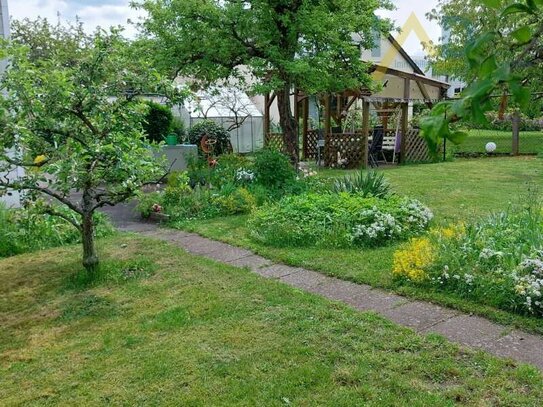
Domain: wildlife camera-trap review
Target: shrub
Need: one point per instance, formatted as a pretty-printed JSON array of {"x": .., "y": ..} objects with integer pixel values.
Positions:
[
  {"x": 365, "y": 184},
  {"x": 273, "y": 169},
  {"x": 340, "y": 220},
  {"x": 233, "y": 201},
  {"x": 27, "y": 230},
  {"x": 158, "y": 122},
  {"x": 213, "y": 131},
  {"x": 229, "y": 169},
  {"x": 497, "y": 261},
  {"x": 177, "y": 127},
  {"x": 150, "y": 203}
]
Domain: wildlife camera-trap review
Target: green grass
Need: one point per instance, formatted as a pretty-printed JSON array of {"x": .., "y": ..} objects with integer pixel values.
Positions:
[
  {"x": 456, "y": 191},
  {"x": 530, "y": 142},
  {"x": 192, "y": 332}
]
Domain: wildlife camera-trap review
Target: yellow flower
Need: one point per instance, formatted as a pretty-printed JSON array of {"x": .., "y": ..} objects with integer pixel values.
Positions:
[
  {"x": 411, "y": 261},
  {"x": 451, "y": 232},
  {"x": 40, "y": 159}
]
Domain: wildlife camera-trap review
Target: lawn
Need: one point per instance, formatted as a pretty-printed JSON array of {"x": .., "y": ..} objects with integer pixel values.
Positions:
[
  {"x": 530, "y": 142},
  {"x": 459, "y": 190},
  {"x": 189, "y": 331}
]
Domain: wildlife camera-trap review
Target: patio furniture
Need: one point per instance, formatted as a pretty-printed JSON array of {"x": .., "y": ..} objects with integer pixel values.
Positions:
[{"x": 376, "y": 146}]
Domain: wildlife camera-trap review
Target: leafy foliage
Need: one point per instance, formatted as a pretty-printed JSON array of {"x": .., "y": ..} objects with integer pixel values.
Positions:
[
  {"x": 71, "y": 117},
  {"x": 29, "y": 229},
  {"x": 273, "y": 169},
  {"x": 158, "y": 121},
  {"x": 282, "y": 45},
  {"x": 365, "y": 184},
  {"x": 218, "y": 137},
  {"x": 517, "y": 30},
  {"x": 496, "y": 261},
  {"x": 340, "y": 220}
]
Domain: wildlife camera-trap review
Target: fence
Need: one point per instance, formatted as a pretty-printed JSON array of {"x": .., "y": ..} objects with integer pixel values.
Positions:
[
  {"x": 350, "y": 150},
  {"x": 529, "y": 142}
]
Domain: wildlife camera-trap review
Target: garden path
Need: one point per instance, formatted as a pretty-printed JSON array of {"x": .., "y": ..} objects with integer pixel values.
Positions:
[{"x": 423, "y": 317}]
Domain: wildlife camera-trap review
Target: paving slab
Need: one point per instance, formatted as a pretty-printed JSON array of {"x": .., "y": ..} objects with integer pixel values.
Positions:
[
  {"x": 419, "y": 315},
  {"x": 137, "y": 227},
  {"x": 340, "y": 290},
  {"x": 229, "y": 253},
  {"x": 200, "y": 245},
  {"x": 253, "y": 262},
  {"x": 520, "y": 346},
  {"x": 472, "y": 331},
  {"x": 305, "y": 279},
  {"x": 277, "y": 271},
  {"x": 375, "y": 300}
]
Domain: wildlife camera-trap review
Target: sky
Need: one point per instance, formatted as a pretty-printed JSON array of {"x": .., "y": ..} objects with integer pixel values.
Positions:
[{"x": 114, "y": 12}]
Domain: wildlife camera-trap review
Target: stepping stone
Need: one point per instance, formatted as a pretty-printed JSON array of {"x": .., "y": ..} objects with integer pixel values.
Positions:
[
  {"x": 419, "y": 315},
  {"x": 468, "y": 330},
  {"x": 253, "y": 262}
]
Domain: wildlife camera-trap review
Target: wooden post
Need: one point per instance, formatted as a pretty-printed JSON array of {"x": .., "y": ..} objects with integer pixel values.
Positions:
[
  {"x": 327, "y": 114},
  {"x": 266, "y": 115},
  {"x": 405, "y": 119},
  {"x": 305, "y": 125},
  {"x": 516, "y": 132},
  {"x": 365, "y": 132}
]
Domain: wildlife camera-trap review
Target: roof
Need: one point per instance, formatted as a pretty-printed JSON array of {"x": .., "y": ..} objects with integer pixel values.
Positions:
[{"x": 221, "y": 102}]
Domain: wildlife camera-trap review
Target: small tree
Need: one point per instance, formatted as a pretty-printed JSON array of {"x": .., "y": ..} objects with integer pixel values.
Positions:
[
  {"x": 71, "y": 114},
  {"x": 310, "y": 45}
]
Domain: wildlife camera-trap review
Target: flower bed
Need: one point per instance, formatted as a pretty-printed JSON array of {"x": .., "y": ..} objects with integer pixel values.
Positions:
[
  {"x": 497, "y": 261},
  {"x": 339, "y": 220}
]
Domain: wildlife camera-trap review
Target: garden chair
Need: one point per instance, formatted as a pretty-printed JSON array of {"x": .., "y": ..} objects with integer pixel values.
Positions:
[{"x": 376, "y": 146}]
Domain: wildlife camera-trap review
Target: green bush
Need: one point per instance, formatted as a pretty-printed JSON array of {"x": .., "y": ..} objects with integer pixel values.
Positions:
[
  {"x": 340, "y": 220},
  {"x": 158, "y": 122},
  {"x": 497, "y": 261},
  {"x": 233, "y": 201},
  {"x": 365, "y": 184},
  {"x": 273, "y": 170},
  {"x": 178, "y": 128},
  {"x": 27, "y": 230},
  {"x": 216, "y": 133}
]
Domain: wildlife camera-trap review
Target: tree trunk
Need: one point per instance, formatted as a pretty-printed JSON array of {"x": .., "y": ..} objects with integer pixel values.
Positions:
[
  {"x": 288, "y": 123},
  {"x": 90, "y": 257}
]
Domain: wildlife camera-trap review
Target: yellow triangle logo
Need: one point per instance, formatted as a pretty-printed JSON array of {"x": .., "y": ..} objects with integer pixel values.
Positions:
[{"x": 412, "y": 24}]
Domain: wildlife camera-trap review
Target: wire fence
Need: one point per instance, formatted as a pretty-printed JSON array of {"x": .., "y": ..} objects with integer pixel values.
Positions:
[{"x": 500, "y": 142}]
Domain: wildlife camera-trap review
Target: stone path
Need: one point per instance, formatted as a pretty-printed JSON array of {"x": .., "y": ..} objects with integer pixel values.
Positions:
[{"x": 423, "y": 317}]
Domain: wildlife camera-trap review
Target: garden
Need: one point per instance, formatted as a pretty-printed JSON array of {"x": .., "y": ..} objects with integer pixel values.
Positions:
[
  {"x": 371, "y": 233},
  {"x": 93, "y": 315}
]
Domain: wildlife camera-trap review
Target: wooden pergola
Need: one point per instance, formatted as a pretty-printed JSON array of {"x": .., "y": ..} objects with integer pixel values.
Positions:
[{"x": 336, "y": 106}]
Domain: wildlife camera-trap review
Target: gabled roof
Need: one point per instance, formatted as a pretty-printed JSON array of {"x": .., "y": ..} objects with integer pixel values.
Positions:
[{"x": 405, "y": 55}]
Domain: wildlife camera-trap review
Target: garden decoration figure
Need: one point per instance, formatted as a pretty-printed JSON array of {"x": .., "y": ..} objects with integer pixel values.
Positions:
[{"x": 208, "y": 146}]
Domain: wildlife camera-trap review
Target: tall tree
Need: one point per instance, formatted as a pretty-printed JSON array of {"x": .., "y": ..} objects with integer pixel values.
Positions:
[
  {"x": 271, "y": 45},
  {"x": 70, "y": 110},
  {"x": 502, "y": 58}
]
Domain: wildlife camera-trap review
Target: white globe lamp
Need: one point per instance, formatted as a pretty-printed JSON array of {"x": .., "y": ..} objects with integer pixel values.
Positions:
[{"x": 490, "y": 147}]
